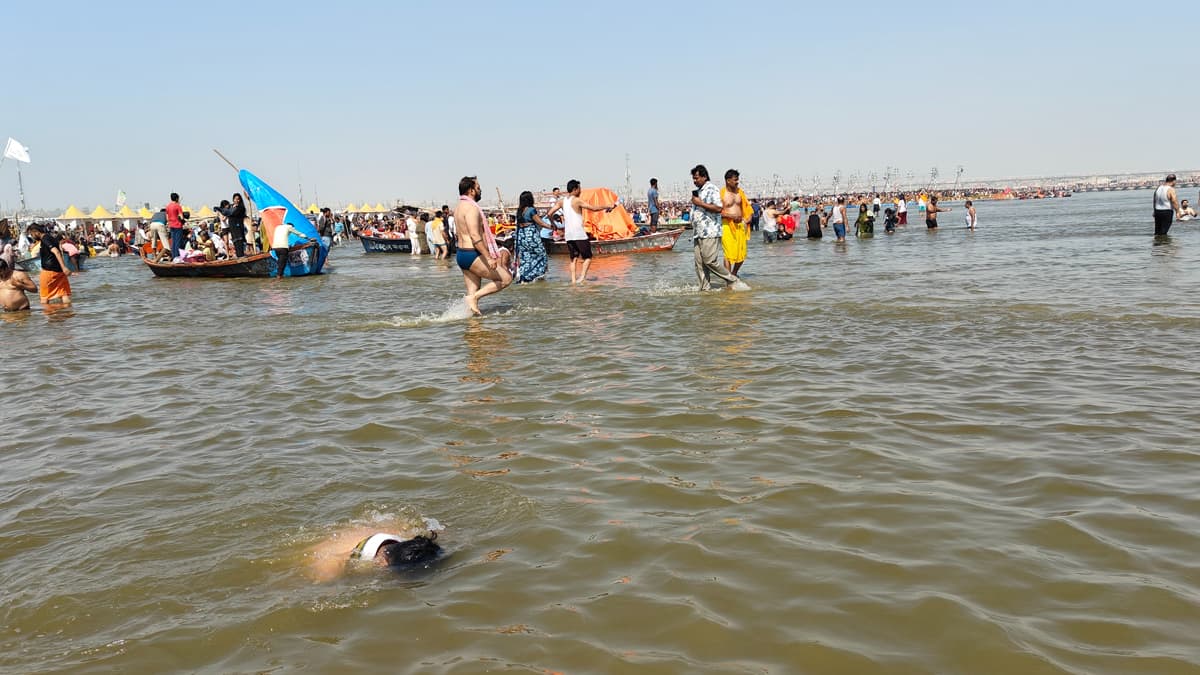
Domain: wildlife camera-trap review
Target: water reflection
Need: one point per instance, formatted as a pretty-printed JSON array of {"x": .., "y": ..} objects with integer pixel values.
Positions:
[
  {"x": 483, "y": 346},
  {"x": 276, "y": 302},
  {"x": 1163, "y": 246}
]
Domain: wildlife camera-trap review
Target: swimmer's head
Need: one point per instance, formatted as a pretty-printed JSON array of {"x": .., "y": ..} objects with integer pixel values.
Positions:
[{"x": 415, "y": 551}]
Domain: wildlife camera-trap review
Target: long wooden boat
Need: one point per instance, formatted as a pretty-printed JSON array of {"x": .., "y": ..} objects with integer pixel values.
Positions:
[
  {"x": 257, "y": 265},
  {"x": 31, "y": 265},
  {"x": 385, "y": 244},
  {"x": 659, "y": 241}
]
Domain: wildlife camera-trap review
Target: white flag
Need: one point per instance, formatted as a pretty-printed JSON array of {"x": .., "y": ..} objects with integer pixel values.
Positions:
[
  {"x": 120, "y": 198},
  {"x": 15, "y": 150}
]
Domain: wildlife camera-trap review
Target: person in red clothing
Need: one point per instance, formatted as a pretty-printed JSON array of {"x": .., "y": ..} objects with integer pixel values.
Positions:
[{"x": 175, "y": 225}]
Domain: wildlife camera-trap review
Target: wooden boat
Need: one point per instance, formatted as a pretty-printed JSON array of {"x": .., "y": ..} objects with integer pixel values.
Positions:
[
  {"x": 31, "y": 265},
  {"x": 257, "y": 265},
  {"x": 385, "y": 244},
  {"x": 663, "y": 240}
]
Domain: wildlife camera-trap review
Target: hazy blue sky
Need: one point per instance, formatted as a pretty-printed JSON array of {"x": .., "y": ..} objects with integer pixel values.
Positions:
[{"x": 384, "y": 100}]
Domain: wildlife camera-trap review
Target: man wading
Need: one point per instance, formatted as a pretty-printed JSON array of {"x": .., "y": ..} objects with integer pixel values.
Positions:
[
  {"x": 706, "y": 228},
  {"x": 1166, "y": 206}
]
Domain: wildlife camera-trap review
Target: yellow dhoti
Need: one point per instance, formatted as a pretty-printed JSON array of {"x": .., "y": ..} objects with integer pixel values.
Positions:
[{"x": 734, "y": 238}]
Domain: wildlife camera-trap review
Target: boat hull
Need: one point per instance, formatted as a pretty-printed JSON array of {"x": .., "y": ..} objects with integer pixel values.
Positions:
[
  {"x": 302, "y": 261},
  {"x": 385, "y": 244},
  {"x": 649, "y": 243}
]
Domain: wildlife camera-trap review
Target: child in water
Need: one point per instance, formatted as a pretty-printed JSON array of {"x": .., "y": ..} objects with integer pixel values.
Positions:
[{"x": 890, "y": 221}]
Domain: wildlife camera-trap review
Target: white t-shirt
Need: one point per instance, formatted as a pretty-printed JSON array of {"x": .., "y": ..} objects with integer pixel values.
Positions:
[
  {"x": 279, "y": 238},
  {"x": 572, "y": 223}
]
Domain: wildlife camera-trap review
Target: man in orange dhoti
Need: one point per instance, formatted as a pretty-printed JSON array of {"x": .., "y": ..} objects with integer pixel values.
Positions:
[{"x": 54, "y": 285}]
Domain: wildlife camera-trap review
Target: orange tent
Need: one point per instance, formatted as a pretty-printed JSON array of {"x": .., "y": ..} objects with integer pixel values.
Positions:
[{"x": 615, "y": 224}]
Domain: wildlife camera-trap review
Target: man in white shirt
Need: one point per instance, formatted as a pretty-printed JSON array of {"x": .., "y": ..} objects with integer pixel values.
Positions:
[
  {"x": 280, "y": 247},
  {"x": 576, "y": 236}
]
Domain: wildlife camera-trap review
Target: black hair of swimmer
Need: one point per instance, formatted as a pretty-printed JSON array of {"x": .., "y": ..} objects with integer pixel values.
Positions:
[{"x": 415, "y": 551}]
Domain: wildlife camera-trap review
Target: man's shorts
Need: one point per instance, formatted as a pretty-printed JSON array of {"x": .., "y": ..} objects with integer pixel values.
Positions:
[{"x": 580, "y": 248}]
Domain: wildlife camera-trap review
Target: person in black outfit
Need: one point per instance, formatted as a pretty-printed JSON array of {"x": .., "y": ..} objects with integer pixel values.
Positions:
[
  {"x": 816, "y": 220},
  {"x": 235, "y": 215}
]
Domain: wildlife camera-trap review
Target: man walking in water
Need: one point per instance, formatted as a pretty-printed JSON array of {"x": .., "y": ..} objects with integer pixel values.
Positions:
[
  {"x": 970, "y": 215},
  {"x": 706, "y": 229},
  {"x": 735, "y": 233},
  {"x": 652, "y": 200},
  {"x": 1166, "y": 206},
  {"x": 573, "y": 231},
  {"x": 476, "y": 259}
]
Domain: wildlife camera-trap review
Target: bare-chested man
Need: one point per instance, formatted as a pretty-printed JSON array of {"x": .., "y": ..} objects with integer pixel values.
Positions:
[
  {"x": 735, "y": 231},
  {"x": 475, "y": 258},
  {"x": 574, "y": 233},
  {"x": 931, "y": 212},
  {"x": 13, "y": 285}
]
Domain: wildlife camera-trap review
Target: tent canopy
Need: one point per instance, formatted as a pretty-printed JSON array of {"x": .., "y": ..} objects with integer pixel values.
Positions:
[
  {"x": 312, "y": 208},
  {"x": 126, "y": 212},
  {"x": 72, "y": 213},
  {"x": 100, "y": 213},
  {"x": 145, "y": 213},
  {"x": 351, "y": 208}
]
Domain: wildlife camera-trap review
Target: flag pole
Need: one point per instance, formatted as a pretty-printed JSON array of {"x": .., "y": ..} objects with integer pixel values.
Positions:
[{"x": 21, "y": 191}]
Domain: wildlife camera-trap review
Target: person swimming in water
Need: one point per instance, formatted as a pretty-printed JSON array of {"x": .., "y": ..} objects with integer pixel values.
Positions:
[{"x": 407, "y": 547}]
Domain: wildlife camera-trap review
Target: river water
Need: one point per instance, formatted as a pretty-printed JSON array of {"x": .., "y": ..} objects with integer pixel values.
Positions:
[{"x": 944, "y": 452}]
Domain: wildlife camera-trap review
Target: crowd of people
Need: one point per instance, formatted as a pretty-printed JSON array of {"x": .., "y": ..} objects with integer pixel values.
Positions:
[{"x": 722, "y": 220}]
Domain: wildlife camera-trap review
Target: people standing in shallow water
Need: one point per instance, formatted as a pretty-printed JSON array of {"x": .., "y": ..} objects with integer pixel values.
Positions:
[
  {"x": 531, "y": 253},
  {"x": 1166, "y": 206},
  {"x": 474, "y": 257},
  {"x": 931, "y": 211},
  {"x": 706, "y": 230},
  {"x": 970, "y": 217}
]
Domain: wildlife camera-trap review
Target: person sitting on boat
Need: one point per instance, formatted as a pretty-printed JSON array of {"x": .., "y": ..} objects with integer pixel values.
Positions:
[
  {"x": 405, "y": 547},
  {"x": 1186, "y": 211}
]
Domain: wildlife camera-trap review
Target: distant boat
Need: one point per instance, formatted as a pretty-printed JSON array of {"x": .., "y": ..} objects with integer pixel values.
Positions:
[
  {"x": 648, "y": 243},
  {"x": 31, "y": 265},
  {"x": 385, "y": 244},
  {"x": 257, "y": 265}
]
